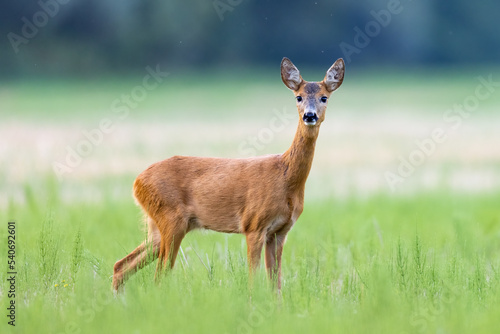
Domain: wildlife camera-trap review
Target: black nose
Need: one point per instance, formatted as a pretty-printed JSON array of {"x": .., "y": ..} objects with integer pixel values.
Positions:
[{"x": 310, "y": 117}]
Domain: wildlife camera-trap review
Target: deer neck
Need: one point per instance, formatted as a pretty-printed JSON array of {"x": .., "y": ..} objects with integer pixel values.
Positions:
[{"x": 297, "y": 160}]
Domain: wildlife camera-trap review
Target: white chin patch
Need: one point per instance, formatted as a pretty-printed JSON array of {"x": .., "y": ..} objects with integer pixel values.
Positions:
[{"x": 310, "y": 123}]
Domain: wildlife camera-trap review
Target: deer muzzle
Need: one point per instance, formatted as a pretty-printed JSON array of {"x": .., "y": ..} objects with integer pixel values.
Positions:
[{"x": 310, "y": 118}]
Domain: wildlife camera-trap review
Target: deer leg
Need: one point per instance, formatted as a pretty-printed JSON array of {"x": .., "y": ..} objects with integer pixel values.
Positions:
[
  {"x": 171, "y": 240},
  {"x": 255, "y": 242},
  {"x": 172, "y": 248},
  {"x": 274, "y": 250},
  {"x": 144, "y": 254}
]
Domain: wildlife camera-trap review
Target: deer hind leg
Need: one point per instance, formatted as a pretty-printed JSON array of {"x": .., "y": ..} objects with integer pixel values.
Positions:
[
  {"x": 144, "y": 254},
  {"x": 172, "y": 230}
]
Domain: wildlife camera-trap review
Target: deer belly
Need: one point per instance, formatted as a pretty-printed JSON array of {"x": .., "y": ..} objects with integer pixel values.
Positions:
[{"x": 218, "y": 222}]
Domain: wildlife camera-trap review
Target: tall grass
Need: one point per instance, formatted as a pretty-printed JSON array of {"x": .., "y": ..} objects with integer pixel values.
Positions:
[
  {"x": 422, "y": 263},
  {"x": 48, "y": 251},
  {"x": 416, "y": 270}
]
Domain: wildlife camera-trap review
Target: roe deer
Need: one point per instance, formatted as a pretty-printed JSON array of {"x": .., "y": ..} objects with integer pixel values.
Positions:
[{"x": 260, "y": 197}]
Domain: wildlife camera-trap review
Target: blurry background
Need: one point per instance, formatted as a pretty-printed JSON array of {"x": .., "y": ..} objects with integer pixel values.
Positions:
[
  {"x": 88, "y": 37},
  {"x": 411, "y": 66},
  {"x": 401, "y": 204}
]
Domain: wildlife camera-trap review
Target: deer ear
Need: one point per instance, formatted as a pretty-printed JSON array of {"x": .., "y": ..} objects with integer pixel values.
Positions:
[
  {"x": 290, "y": 74},
  {"x": 335, "y": 75}
]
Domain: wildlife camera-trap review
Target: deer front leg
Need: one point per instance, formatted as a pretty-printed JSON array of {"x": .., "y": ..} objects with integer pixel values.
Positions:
[
  {"x": 274, "y": 250},
  {"x": 255, "y": 242}
]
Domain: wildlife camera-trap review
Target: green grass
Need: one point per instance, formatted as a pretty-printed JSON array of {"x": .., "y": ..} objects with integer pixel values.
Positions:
[
  {"x": 420, "y": 264},
  {"x": 240, "y": 94},
  {"x": 425, "y": 262}
]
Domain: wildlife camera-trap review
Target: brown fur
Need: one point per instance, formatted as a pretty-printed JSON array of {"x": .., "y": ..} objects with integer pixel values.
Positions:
[{"x": 260, "y": 197}]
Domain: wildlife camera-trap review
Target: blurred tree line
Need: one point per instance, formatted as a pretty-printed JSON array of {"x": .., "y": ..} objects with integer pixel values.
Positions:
[{"x": 91, "y": 36}]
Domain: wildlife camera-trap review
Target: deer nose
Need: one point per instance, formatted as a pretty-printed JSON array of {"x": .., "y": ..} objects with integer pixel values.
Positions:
[{"x": 310, "y": 118}]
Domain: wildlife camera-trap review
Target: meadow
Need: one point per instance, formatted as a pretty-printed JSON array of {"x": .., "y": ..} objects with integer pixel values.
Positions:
[{"x": 363, "y": 257}]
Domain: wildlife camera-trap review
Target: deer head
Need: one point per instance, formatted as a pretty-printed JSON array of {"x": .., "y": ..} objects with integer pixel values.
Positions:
[{"x": 312, "y": 97}]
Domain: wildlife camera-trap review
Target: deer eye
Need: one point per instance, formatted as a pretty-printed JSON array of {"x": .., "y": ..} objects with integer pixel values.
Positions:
[
  {"x": 299, "y": 98},
  {"x": 323, "y": 99}
]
